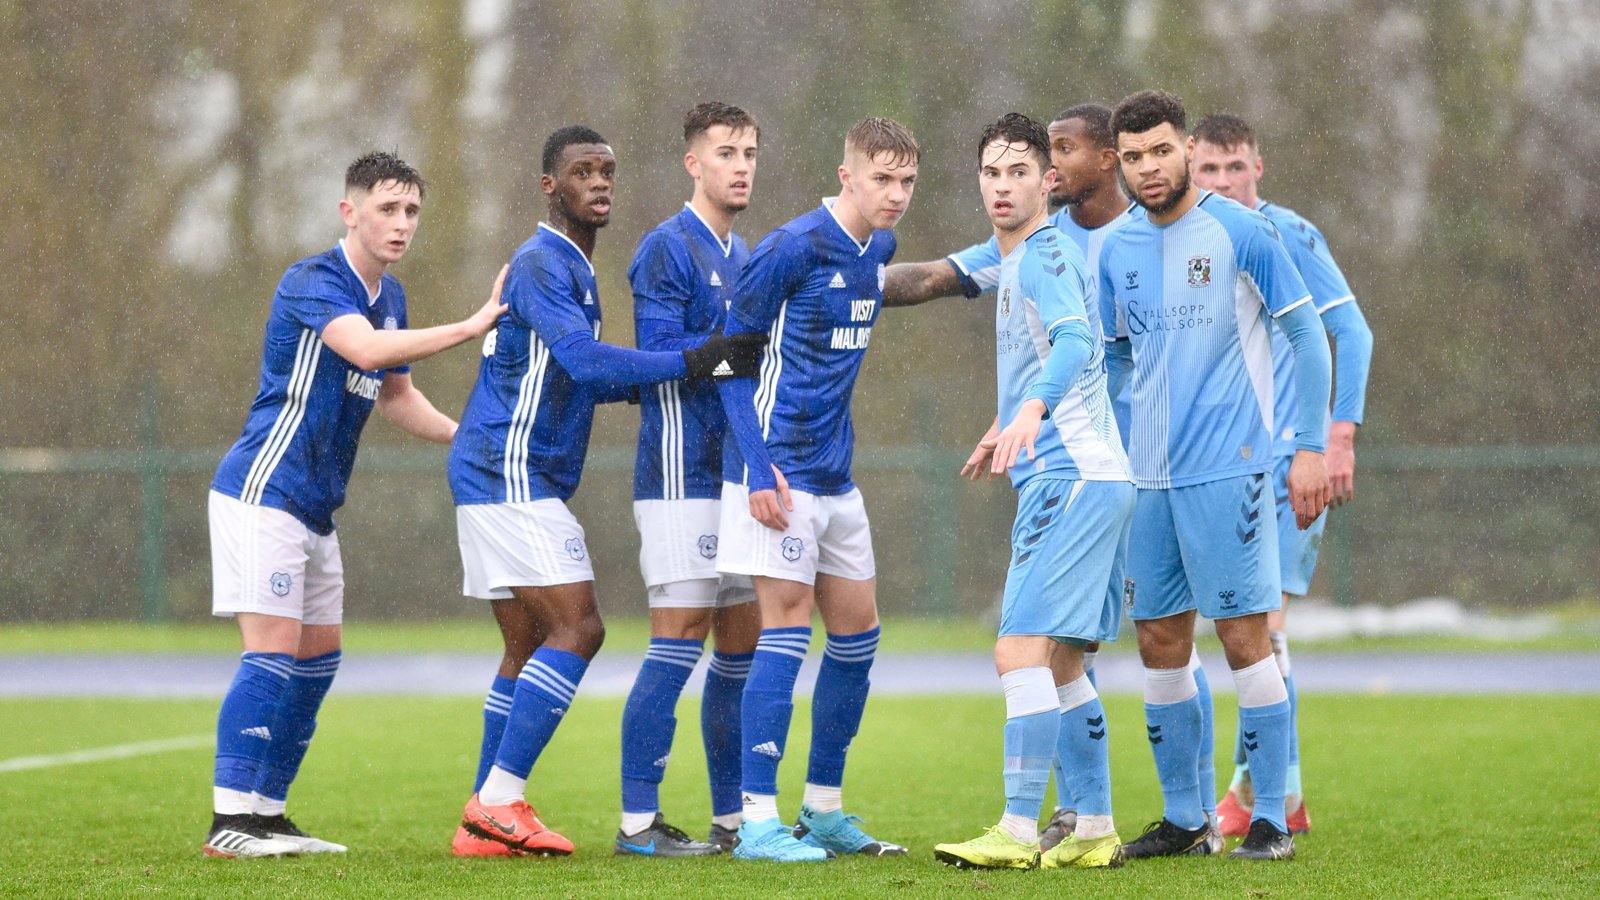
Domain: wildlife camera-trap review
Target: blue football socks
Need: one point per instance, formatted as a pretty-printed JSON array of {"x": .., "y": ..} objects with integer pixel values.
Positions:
[
  {"x": 1030, "y": 744},
  {"x": 649, "y": 722},
  {"x": 544, "y": 692},
  {"x": 496, "y": 710},
  {"x": 295, "y": 723},
  {"x": 1174, "y": 732},
  {"x": 837, "y": 703},
  {"x": 1292, "y": 782},
  {"x": 768, "y": 704},
  {"x": 244, "y": 725},
  {"x": 1265, "y": 730},
  {"x": 1208, "y": 744},
  {"x": 719, "y": 727},
  {"x": 1084, "y": 779}
]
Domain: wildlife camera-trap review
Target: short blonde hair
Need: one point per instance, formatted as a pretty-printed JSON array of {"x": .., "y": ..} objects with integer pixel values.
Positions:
[{"x": 876, "y": 136}]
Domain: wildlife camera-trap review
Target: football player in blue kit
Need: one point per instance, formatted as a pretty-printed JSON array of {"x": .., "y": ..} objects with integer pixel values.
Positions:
[
  {"x": 1189, "y": 293},
  {"x": 1075, "y": 503},
  {"x": 683, "y": 276},
  {"x": 515, "y": 462},
  {"x": 337, "y": 344},
  {"x": 792, "y": 519},
  {"x": 1227, "y": 161}
]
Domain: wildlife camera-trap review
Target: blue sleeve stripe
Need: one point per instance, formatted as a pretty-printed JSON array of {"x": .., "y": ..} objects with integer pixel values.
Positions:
[
  {"x": 1302, "y": 301},
  {"x": 1347, "y": 298}
]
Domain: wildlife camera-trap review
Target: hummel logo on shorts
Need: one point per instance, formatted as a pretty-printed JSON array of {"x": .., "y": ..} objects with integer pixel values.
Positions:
[
  {"x": 723, "y": 370},
  {"x": 260, "y": 731},
  {"x": 770, "y": 748}
]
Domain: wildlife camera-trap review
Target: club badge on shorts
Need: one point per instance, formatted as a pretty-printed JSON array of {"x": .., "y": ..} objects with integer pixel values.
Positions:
[
  {"x": 708, "y": 546},
  {"x": 575, "y": 548},
  {"x": 792, "y": 548},
  {"x": 280, "y": 582}
]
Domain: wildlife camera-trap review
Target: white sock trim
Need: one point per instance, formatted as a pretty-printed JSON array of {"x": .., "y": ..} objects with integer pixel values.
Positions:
[
  {"x": 502, "y": 787},
  {"x": 227, "y": 802},
  {"x": 1075, "y": 693},
  {"x": 1163, "y": 686},
  {"x": 823, "y": 798},
  {"x": 1021, "y": 828},
  {"x": 760, "y": 807},
  {"x": 1260, "y": 684},
  {"x": 1194, "y": 658},
  {"x": 1089, "y": 657},
  {"x": 1280, "y": 650},
  {"x": 266, "y": 806},
  {"x": 1091, "y": 827},
  {"x": 1029, "y": 691},
  {"x": 731, "y": 821},
  {"x": 633, "y": 823}
]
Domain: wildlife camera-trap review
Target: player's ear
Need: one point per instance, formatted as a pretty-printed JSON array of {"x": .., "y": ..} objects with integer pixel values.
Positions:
[
  {"x": 692, "y": 165},
  {"x": 347, "y": 211},
  {"x": 547, "y": 184}
]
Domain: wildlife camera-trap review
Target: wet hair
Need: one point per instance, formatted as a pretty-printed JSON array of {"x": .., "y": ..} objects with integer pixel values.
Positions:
[
  {"x": 699, "y": 120},
  {"x": 1145, "y": 110},
  {"x": 874, "y": 136},
  {"x": 565, "y": 137},
  {"x": 1016, "y": 128},
  {"x": 1096, "y": 119},
  {"x": 378, "y": 167},
  {"x": 1225, "y": 130}
]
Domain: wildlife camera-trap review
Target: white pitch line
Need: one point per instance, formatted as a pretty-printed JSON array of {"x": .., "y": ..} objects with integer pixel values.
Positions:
[{"x": 99, "y": 754}]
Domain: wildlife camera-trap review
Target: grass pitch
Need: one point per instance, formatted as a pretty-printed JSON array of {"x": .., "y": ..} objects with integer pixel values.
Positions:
[{"x": 1410, "y": 796}]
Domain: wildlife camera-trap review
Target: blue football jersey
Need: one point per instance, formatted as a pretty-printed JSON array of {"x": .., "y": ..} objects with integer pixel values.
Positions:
[
  {"x": 299, "y": 441},
  {"x": 979, "y": 268},
  {"x": 1309, "y": 250},
  {"x": 1042, "y": 283},
  {"x": 683, "y": 279},
  {"x": 525, "y": 431},
  {"x": 816, "y": 292},
  {"x": 1195, "y": 299}
]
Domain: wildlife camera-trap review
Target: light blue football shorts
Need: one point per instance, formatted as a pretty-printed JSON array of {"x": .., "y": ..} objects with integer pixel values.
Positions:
[
  {"x": 1297, "y": 550},
  {"x": 1067, "y": 552},
  {"x": 1211, "y": 547}
]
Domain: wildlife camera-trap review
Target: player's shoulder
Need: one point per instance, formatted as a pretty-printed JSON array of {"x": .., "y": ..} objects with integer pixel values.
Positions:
[
  {"x": 391, "y": 287},
  {"x": 1243, "y": 224},
  {"x": 670, "y": 237},
  {"x": 1291, "y": 224},
  {"x": 1049, "y": 254},
  {"x": 317, "y": 276}
]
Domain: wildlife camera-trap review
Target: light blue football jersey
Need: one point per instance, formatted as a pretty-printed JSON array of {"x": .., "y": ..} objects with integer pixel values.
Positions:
[
  {"x": 979, "y": 268},
  {"x": 299, "y": 442},
  {"x": 1195, "y": 298},
  {"x": 1042, "y": 284},
  {"x": 1329, "y": 290}
]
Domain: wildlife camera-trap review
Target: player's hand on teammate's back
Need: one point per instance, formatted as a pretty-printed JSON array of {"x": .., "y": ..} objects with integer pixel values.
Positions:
[
  {"x": 726, "y": 356},
  {"x": 979, "y": 460},
  {"x": 1341, "y": 459},
  {"x": 767, "y": 507},
  {"x": 487, "y": 315},
  {"x": 1021, "y": 433},
  {"x": 1309, "y": 487}
]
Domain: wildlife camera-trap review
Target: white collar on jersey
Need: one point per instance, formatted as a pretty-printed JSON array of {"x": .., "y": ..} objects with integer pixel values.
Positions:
[
  {"x": 371, "y": 297},
  {"x": 557, "y": 232},
  {"x": 861, "y": 249},
  {"x": 727, "y": 246}
]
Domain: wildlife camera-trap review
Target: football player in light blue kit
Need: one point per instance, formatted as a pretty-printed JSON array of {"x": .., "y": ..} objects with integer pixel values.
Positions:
[
  {"x": 792, "y": 519},
  {"x": 336, "y": 346},
  {"x": 1191, "y": 291},
  {"x": 1090, "y": 202},
  {"x": 683, "y": 276},
  {"x": 1075, "y": 503},
  {"x": 1227, "y": 161},
  {"x": 516, "y": 461}
]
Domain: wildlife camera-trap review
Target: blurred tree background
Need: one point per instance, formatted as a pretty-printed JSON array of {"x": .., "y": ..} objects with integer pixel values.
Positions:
[{"x": 164, "y": 161}]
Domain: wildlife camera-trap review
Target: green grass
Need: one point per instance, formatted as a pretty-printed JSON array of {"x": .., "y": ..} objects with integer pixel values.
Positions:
[
  {"x": 900, "y": 635},
  {"x": 1411, "y": 797}
]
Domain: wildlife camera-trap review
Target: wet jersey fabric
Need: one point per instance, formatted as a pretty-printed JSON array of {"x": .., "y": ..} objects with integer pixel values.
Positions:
[
  {"x": 683, "y": 279},
  {"x": 816, "y": 292},
  {"x": 299, "y": 441},
  {"x": 1048, "y": 349},
  {"x": 525, "y": 431},
  {"x": 1341, "y": 316},
  {"x": 979, "y": 268},
  {"x": 1195, "y": 299}
]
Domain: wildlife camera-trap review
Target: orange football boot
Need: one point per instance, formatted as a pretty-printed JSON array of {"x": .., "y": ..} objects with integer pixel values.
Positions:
[
  {"x": 468, "y": 844},
  {"x": 515, "y": 825}
]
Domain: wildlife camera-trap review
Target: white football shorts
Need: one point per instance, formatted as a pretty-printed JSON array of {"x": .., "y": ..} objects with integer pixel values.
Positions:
[
  {"x": 534, "y": 543},
  {"x": 678, "y": 544},
  {"x": 264, "y": 560},
  {"x": 827, "y": 535}
]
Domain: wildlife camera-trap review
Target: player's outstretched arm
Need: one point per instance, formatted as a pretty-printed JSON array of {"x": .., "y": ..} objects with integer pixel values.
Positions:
[
  {"x": 404, "y": 405},
  {"x": 1351, "y": 363},
  {"x": 908, "y": 284},
  {"x": 979, "y": 460},
  {"x": 353, "y": 337}
]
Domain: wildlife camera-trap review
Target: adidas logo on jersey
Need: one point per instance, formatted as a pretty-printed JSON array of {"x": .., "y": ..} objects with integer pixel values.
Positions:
[
  {"x": 260, "y": 731},
  {"x": 723, "y": 370},
  {"x": 588, "y": 298},
  {"x": 716, "y": 280},
  {"x": 837, "y": 282},
  {"x": 768, "y": 749}
]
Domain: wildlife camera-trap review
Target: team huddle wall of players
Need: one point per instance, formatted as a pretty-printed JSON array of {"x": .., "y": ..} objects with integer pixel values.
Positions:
[{"x": 1165, "y": 413}]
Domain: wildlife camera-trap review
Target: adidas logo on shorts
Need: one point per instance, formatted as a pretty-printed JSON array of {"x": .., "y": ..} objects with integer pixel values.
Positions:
[
  {"x": 770, "y": 748},
  {"x": 260, "y": 731}
]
